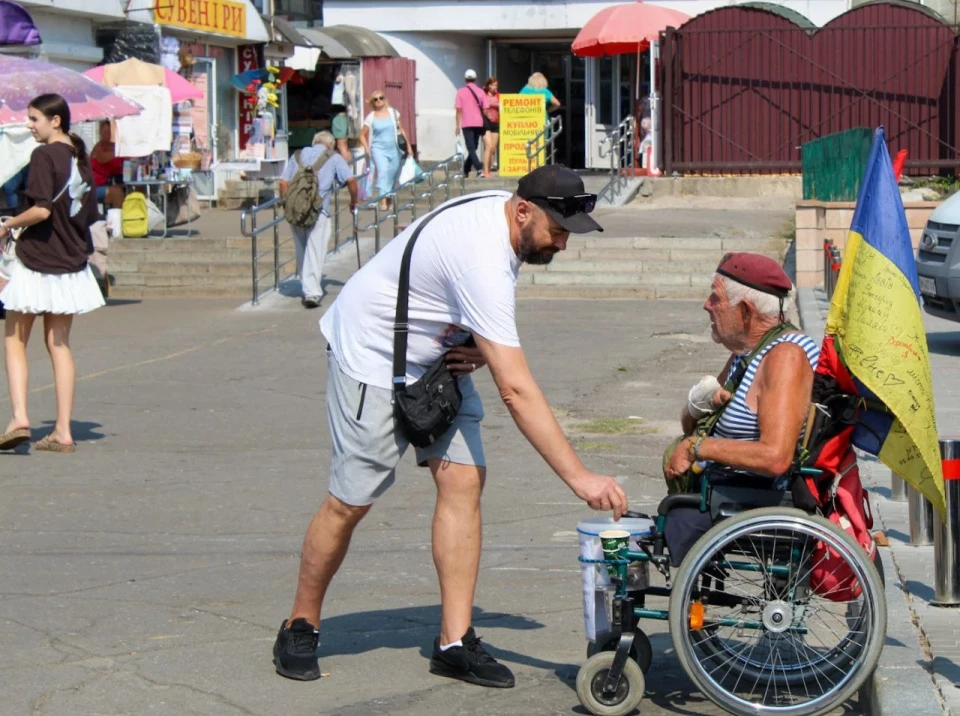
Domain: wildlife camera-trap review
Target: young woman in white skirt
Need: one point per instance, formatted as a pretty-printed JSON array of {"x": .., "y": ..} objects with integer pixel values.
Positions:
[{"x": 51, "y": 276}]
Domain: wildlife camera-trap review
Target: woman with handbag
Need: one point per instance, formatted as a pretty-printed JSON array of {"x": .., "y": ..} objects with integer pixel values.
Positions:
[
  {"x": 386, "y": 143},
  {"x": 50, "y": 276},
  {"x": 491, "y": 125}
]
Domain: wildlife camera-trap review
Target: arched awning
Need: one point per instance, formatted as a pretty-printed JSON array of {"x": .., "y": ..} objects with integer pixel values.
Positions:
[
  {"x": 16, "y": 25},
  {"x": 343, "y": 41}
]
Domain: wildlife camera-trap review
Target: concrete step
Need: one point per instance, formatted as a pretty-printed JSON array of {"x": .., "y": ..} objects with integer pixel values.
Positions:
[
  {"x": 586, "y": 290},
  {"x": 701, "y": 281},
  {"x": 666, "y": 254},
  {"x": 139, "y": 292},
  {"x": 218, "y": 257},
  {"x": 201, "y": 283},
  {"x": 720, "y": 244},
  {"x": 623, "y": 266}
]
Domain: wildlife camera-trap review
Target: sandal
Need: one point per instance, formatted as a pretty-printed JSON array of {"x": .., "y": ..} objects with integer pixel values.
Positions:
[
  {"x": 10, "y": 440},
  {"x": 51, "y": 445}
]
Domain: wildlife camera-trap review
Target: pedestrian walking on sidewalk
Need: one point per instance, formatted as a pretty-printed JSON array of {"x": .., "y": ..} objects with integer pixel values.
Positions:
[
  {"x": 491, "y": 125},
  {"x": 470, "y": 103},
  {"x": 462, "y": 295},
  {"x": 311, "y": 242},
  {"x": 50, "y": 276},
  {"x": 381, "y": 137}
]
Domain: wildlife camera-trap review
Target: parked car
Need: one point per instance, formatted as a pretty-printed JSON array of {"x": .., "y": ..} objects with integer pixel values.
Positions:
[{"x": 938, "y": 261}]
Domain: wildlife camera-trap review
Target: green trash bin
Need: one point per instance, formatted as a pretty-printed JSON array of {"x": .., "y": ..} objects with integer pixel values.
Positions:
[{"x": 833, "y": 165}]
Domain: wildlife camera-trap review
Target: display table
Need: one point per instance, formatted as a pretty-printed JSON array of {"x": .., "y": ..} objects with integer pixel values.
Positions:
[
  {"x": 253, "y": 170},
  {"x": 159, "y": 187}
]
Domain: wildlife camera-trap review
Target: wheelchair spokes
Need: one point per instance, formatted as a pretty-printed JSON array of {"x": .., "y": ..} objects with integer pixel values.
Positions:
[{"x": 768, "y": 643}]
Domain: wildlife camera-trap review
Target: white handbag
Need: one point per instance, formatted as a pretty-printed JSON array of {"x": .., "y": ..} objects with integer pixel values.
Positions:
[{"x": 8, "y": 257}]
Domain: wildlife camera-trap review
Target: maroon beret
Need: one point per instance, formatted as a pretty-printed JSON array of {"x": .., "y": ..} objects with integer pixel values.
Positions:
[{"x": 756, "y": 271}]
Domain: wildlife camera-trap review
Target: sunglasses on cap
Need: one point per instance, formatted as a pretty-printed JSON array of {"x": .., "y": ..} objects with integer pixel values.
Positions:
[{"x": 567, "y": 206}]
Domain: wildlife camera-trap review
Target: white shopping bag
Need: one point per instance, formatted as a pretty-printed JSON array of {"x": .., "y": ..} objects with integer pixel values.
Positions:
[
  {"x": 410, "y": 170},
  {"x": 460, "y": 148},
  {"x": 115, "y": 223}
]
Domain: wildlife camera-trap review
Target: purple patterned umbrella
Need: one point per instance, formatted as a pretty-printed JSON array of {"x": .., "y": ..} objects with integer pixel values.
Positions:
[{"x": 24, "y": 79}]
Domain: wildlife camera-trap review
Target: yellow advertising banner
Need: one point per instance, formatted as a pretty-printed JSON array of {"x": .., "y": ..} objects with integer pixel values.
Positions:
[
  {"x": 224, "y": 17},
  {"x": 522, "y": 117}
]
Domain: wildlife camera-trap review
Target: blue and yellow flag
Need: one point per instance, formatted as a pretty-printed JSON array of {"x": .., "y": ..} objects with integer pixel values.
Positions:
[{"x": 877, "y": 322}]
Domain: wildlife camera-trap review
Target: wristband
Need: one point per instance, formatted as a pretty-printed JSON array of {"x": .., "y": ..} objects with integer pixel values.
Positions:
[{"x": 696, "y": 447}]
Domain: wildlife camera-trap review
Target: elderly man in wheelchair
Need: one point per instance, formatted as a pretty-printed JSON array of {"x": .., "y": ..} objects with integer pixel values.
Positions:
[{"x": 775, "y": 599}]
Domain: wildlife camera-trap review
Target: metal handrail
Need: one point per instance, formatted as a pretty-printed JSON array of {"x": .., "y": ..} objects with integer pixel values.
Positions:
[
  {"x": 253, "y": 232},
  {"x": 620, "y": 146},
  {"x": 425, "y": 186},
  {"x": 545, "y": 141}
]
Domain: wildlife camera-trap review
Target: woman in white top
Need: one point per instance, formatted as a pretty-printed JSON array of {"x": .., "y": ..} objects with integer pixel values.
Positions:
[{"x": 380, "y": 139}]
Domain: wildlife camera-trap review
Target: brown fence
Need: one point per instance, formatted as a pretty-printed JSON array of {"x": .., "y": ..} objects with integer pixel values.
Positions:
[{"x": 745, "y": 87}]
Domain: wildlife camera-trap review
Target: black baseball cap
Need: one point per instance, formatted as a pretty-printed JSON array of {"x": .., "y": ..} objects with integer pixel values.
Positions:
[{"x": 560, "y": 193}]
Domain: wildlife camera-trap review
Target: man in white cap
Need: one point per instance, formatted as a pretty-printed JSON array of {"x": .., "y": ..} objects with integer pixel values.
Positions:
[{"x": 470, "y": 103}]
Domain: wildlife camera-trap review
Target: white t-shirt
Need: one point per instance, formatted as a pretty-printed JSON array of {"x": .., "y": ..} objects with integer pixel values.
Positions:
[{"x": 463, "y": 279}]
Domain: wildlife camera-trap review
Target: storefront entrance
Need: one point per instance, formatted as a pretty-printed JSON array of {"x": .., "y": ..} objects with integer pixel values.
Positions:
[
  {"x": 611, "y": 97},
  {"x": 512, "y": 63}
]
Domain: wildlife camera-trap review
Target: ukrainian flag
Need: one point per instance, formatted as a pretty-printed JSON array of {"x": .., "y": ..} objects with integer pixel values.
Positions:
[{"x": 877, "y": 323}]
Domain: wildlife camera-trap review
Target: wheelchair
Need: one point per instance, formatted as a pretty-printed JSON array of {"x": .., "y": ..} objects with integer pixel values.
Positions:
[{"x": 748, "y": 627}]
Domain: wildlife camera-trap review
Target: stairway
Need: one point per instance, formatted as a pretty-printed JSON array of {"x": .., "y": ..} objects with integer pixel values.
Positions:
[
  {"x": 141, "y": 268},
  {"x": 638, "y": 267}
]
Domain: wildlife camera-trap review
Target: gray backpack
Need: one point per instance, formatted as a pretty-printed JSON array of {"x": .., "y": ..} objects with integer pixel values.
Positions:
[{"x": 302, "y": 202}]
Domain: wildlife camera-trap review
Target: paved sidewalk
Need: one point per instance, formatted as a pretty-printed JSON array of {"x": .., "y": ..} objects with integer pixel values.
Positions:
[{"x": 920, "y": 666}]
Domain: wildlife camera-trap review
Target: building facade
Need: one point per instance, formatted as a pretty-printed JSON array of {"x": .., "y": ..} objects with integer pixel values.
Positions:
[{"x": 511, "y": 39}]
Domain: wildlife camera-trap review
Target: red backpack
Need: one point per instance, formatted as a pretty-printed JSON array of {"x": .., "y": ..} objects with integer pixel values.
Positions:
[{"x": 837, "y": 493}]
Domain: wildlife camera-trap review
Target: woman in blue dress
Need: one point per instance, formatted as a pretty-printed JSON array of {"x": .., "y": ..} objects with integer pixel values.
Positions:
[{"x": 380, "y": 139}]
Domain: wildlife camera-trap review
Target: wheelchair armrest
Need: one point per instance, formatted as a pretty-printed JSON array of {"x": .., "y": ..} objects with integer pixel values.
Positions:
[{"x": 680, "y": 500}]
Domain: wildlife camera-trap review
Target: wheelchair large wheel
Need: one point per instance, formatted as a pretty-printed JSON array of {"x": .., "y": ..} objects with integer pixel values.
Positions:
[
  {"x": 590, "y": 680},
  {"x": 752, "y": 635}
]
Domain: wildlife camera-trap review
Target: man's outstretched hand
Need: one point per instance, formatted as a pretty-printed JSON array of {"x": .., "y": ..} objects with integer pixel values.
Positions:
[{"x": 602, "y": 493}]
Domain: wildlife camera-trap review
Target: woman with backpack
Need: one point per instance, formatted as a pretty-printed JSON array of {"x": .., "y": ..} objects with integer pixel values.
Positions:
[
  {"x": 50, "y": 276},
  {"x": 385, "y": 142}
]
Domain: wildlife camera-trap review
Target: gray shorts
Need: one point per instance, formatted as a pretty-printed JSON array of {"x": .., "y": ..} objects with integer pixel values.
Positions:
[{"x": 367, "y": 445}]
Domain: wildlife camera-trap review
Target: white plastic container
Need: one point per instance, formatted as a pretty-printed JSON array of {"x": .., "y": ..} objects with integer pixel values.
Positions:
[{"x": 595, "y": 580}]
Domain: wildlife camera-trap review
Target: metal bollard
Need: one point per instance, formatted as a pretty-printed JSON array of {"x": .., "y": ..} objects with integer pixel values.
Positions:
[
  {"x": 946, "y": 547},
  {"x": 898, "y": 488},
  {"x": 920, "y": 513}
]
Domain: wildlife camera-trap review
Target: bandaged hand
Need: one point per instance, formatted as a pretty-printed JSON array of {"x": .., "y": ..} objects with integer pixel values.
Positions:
[{"x": 700, "y": 399}]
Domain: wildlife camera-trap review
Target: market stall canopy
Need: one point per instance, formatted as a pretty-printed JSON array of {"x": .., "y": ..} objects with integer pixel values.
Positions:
[
  {"x": 16, "y": 25},
  {"x": 134, "y": 72},
  {"x": 25, "y": 79},
  {"x": 624, "y": 29}
]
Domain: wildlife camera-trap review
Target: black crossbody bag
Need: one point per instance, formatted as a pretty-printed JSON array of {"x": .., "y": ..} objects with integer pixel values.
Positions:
[{"x": 426, "y": 409}]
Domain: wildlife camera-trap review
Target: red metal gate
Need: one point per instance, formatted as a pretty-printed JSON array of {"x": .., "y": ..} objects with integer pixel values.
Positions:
[
  {"x": 397, "y": 77},
  {"x": 745, "y": 87}
]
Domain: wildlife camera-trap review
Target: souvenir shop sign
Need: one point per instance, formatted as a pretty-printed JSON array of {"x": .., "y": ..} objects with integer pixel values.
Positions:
[
  {"x": 522, "y": 117},
  {"x": 247, "y": 59},
  {"x": 224, "y": 17}
]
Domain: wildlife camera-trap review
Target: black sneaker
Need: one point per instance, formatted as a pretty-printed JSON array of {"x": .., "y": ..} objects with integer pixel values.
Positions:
[
  {"x": 470, "y": 663},
  {"x": 295, "y": 651}
]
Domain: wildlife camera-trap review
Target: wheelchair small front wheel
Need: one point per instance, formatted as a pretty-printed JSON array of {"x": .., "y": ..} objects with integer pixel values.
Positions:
[
  {"x": 590, "y": 680},
  {"x": 641, "y": 651}
]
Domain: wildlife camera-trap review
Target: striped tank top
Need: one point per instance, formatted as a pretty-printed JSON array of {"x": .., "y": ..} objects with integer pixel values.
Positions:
[{"x": 738, "y": 421}]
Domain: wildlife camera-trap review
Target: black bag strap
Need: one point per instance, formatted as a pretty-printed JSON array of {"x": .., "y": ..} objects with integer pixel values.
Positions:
[
  {"x": 705, "y": 424},
  {"x": 400, "y": 327},
  {"x": 476, "y": 99}
]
